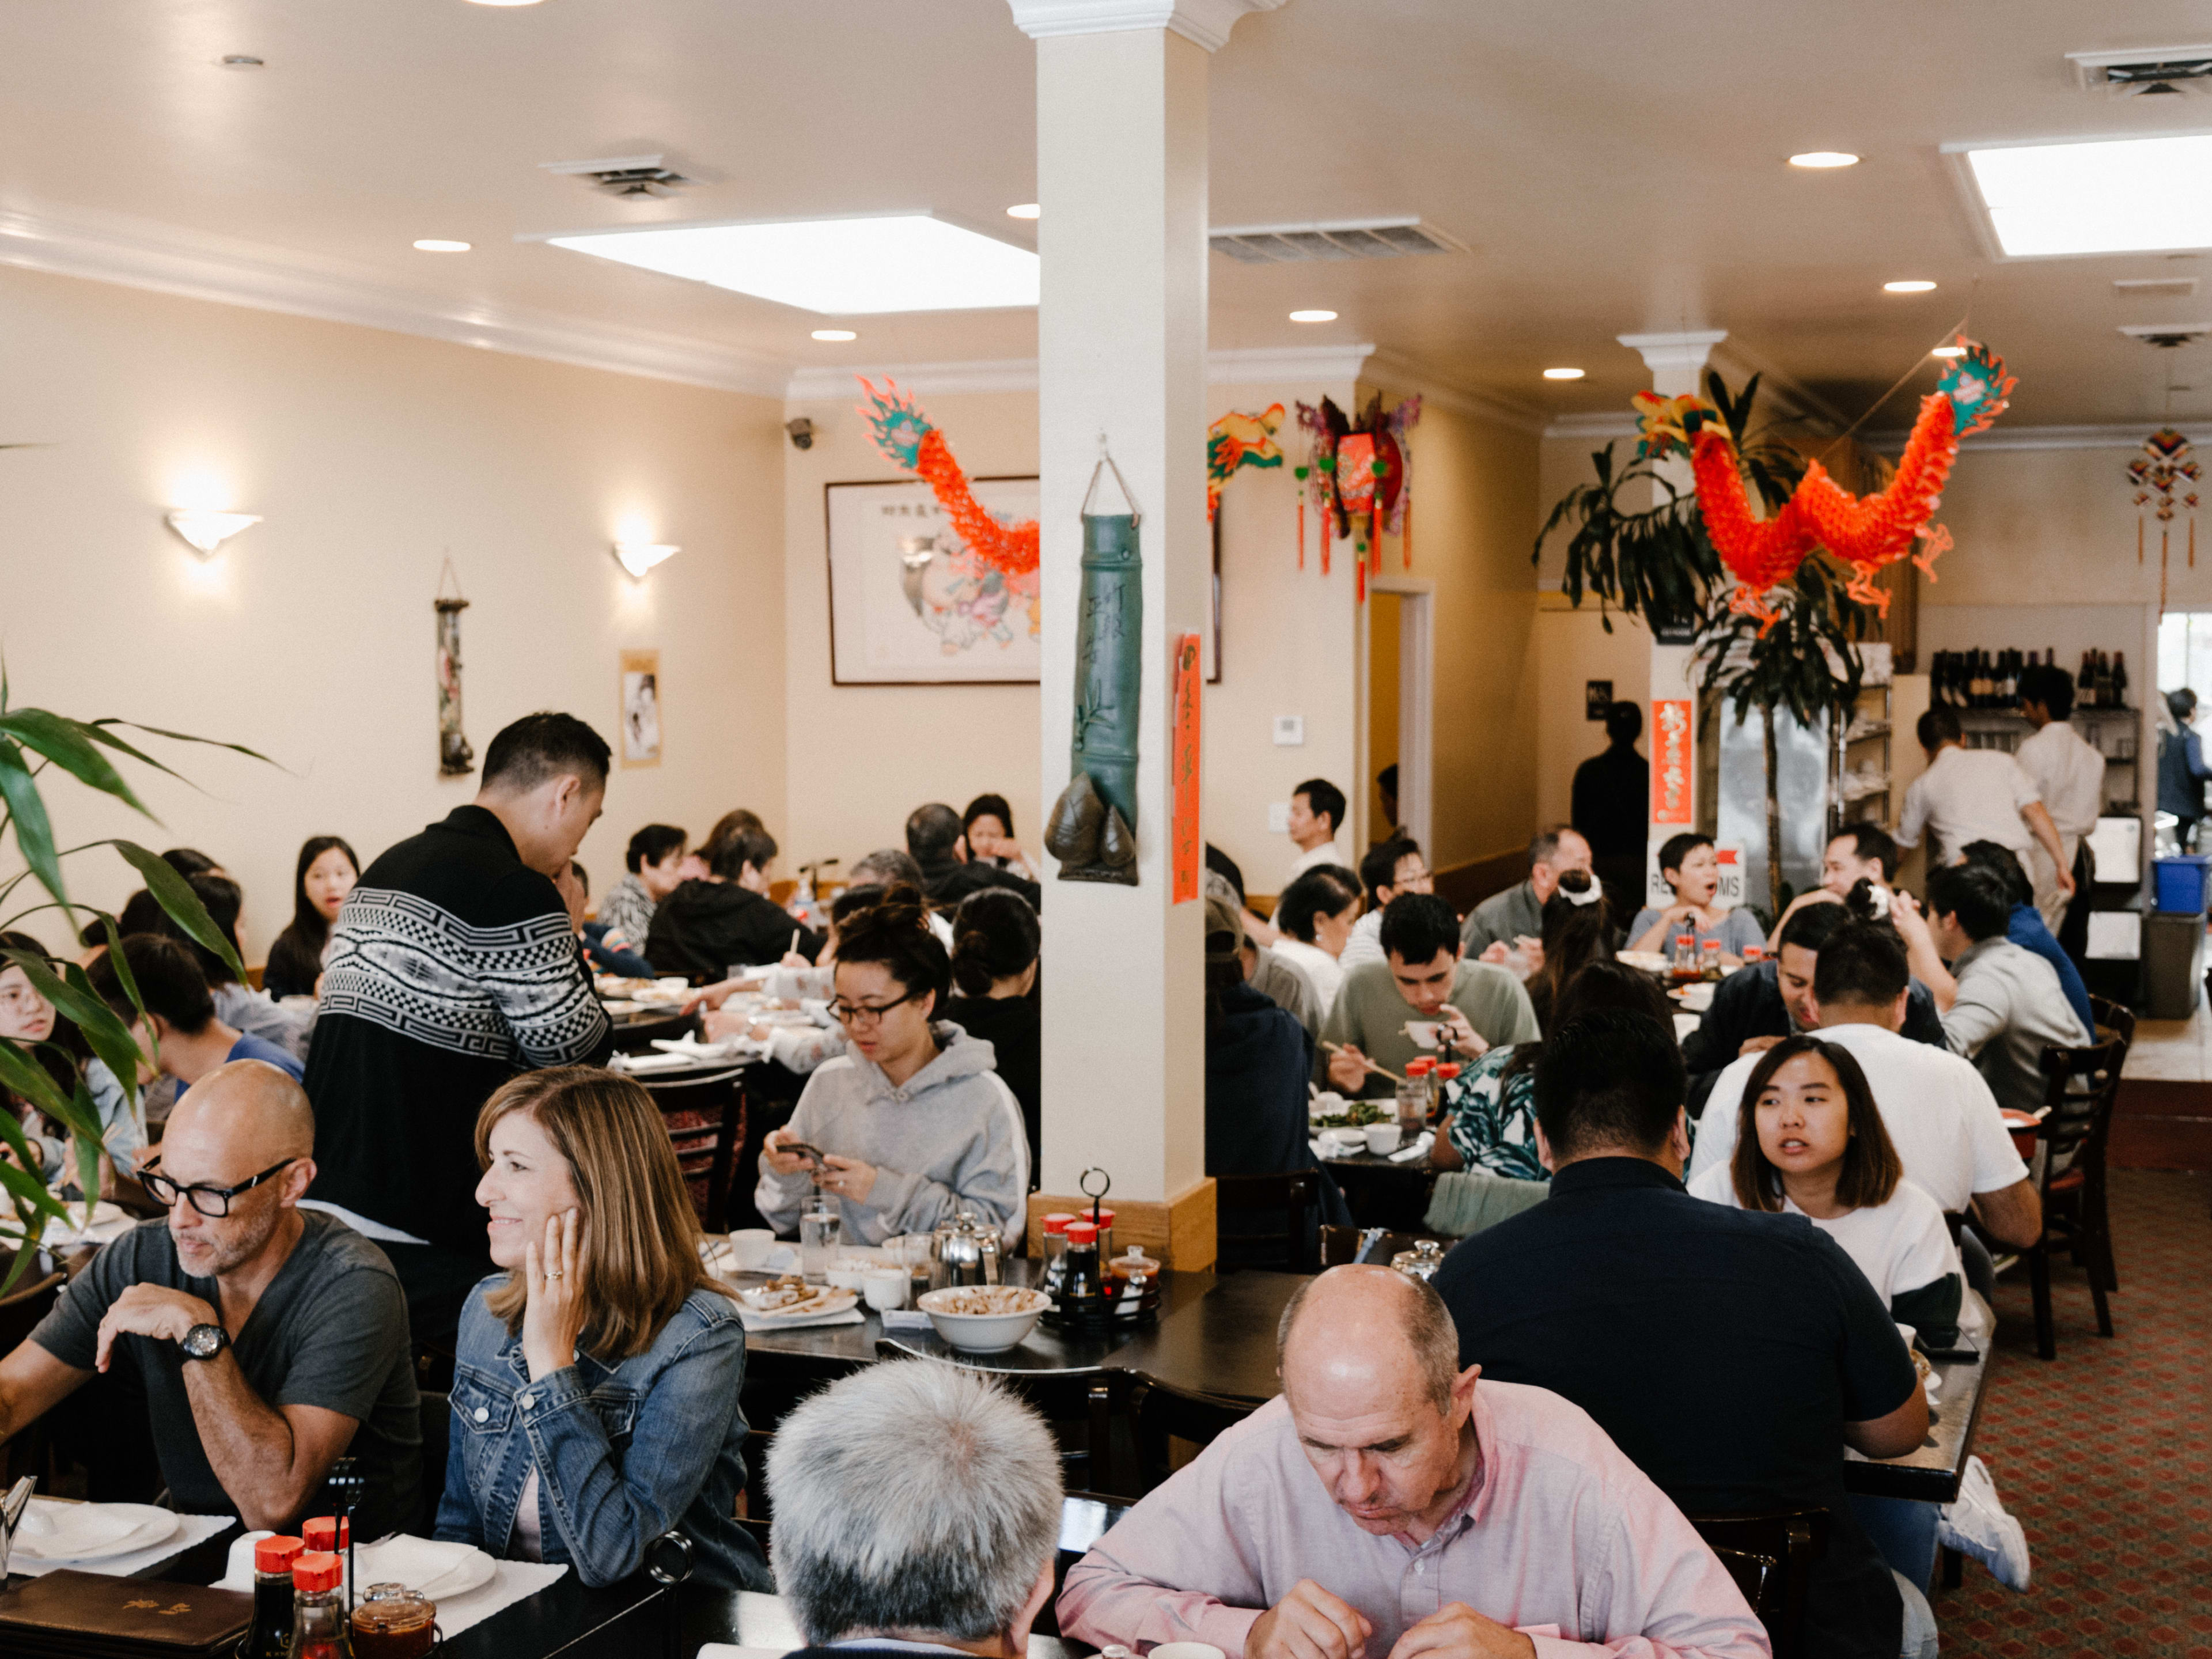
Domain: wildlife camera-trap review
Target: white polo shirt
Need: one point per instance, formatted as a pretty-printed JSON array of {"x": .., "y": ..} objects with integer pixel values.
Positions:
[
  {"x": 1941, "y": 1116},
  {"x": 1968, "y": 795},
  {"x": 1328, "y": 852},
  {"x": 2068, "y": 773},
  {"x": 1900, "y": 1246}
]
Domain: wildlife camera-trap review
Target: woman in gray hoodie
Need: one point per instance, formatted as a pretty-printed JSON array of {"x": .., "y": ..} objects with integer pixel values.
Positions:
[{"x": 913, "y": 1121}]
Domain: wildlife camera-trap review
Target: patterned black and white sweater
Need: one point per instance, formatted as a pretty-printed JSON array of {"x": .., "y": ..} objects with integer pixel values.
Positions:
[{"x": 452, "y": 967}]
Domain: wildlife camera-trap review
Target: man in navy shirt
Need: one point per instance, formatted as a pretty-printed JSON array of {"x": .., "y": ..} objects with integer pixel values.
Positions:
[{"x": 1731, "y": 1354}]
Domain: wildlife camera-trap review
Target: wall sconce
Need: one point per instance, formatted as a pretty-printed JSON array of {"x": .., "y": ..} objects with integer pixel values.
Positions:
[
  {"x": 205, "y": 531},
  {"x": 638, "y": 557}
]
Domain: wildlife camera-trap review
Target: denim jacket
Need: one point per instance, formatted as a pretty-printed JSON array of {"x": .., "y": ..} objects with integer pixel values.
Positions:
[{"x": 623, "y": 1452}]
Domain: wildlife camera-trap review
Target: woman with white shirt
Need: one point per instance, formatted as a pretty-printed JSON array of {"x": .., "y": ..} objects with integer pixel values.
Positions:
[
  {"x": 1315, "y": 916},
  {"x": 1813, "y": 1145}
]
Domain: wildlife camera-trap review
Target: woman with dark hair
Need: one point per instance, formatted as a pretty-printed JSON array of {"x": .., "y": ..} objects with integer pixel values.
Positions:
[
  {"x": 597, "y": 1376},
  {"x": 911, "y": 1124},
  {"x": 798, "y": 1048},
  {"x": 1577, "y": 931},
  {"x": 326, "y": 872},
  {"x": 988, "y": 827},
  {"x": 994, "y": 962},
  {"x": 1813, "y": 1145},
  {"x": 1489, "y": 1110},
  {"x": 1315, "y": 916},
  {"x": 34, "y": 1025}
]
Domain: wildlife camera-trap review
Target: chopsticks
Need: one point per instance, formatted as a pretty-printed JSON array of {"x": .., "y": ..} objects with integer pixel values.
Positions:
[{"x": 1379, "y": 1071}]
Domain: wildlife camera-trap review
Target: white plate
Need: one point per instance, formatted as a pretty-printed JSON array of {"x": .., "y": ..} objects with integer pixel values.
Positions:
[
  {"x": 830, "y": 1302},
  {"x": 94, "y": 1523},
  {"x": 414, "y": 1562}
]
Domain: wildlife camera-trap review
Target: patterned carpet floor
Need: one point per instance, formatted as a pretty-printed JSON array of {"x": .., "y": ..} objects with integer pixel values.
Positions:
[{"x": 2106, "y": 1453}]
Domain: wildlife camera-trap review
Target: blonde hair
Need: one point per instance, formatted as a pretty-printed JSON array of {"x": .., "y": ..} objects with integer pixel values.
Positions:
[{"x": 640, "y": 1238}]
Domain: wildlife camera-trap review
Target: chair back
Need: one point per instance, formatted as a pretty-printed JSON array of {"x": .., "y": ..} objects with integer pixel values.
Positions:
[
  {"x": 706, "y": 1121},
  {"x": 1084, "y": 1518},
  {"x": 1165, "y": 1412},
  {"x": 1770, "y": 1558},
  {"x": 2080, "y": 1089},
  {"x": 2114, "y": 1017},
  {"x": 1277, "y": 1218},
  {"x": 435, "y": 1415}
]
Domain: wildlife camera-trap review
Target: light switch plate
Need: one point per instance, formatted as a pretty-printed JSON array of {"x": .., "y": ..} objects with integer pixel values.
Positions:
[
  {"x": 1290, "y": 730},
  {"x": 1279, "y": 817}
]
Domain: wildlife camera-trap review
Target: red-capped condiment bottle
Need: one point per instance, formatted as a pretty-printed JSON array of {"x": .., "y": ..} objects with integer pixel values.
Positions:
[
  {"x": 1055, "y": 1227},
  {"x": 1083, "y": 1292},
  {"x": 270, "y": 1636},
  {"x": 328, "y": 1534},
  {"x": 1103, "y": 1220},
  {"x": 319, "y": 1613}
]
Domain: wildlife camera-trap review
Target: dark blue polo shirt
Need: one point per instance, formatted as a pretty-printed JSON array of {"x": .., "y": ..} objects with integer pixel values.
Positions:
[{"x": 1723, "y": 1349}]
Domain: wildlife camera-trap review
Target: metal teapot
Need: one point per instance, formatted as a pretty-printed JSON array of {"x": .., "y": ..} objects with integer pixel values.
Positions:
[
  {"x": 963, "y": 1251},
  {"x": 13, "y": 1506}
]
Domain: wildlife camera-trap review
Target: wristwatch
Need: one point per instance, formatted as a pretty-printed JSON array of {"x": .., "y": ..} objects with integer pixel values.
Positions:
[{"x": 204, "y": 1341}]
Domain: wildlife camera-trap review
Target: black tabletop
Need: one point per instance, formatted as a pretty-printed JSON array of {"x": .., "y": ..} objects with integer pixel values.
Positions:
[{"x": 1931, "y": 1474}]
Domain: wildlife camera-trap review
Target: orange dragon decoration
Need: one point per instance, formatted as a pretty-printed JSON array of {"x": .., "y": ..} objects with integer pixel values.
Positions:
[
  {"x": 1865, "y": 532},
  {"x": 904, "y": 433}
]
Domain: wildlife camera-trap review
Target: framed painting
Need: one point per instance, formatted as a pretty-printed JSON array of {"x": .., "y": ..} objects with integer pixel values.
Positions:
[
  {"x": 640, "y": 709},
  {"x": 909, "y": 604}
]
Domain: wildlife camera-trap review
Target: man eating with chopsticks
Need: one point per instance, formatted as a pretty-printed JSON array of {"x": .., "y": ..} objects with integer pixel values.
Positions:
[{"x": 1423, "y": 980}]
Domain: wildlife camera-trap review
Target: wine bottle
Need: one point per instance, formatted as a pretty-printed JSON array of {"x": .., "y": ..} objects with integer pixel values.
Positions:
[{"x": 2120, "y": 680}]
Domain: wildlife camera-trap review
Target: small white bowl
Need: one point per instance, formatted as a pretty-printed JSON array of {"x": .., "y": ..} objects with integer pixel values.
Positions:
[
  {"x": 1423, "y": 1032},
  {"x": 846, "y": 1276},
  {"x": 885, "y": 1288},
  {"x": 1346, "y": 1140},
  {"x": 1382, "y": 1138},
  {"x": 749, "y": 1248},
  {"x": 982, "y": 1332}
]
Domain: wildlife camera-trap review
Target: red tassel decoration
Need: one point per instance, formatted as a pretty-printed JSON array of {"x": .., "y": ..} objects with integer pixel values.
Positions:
[
  {"x": 1301, "y": 530},
  {"x": 1362, "y": 568},
  {"x": 1375, "y": 542},
  {"x": 1324, "y": 544},
  {"x": 1405, "y": 536}
]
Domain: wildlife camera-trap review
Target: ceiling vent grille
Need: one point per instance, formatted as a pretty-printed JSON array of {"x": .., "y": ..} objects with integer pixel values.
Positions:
[
  {"x": 2155, "y": 287},
  {"x": 625, "y": 175},
  {"x": 2166, "y": 335},
  {"x": 1361, "y": 239},
  {"x": 2144, "y": 71}
]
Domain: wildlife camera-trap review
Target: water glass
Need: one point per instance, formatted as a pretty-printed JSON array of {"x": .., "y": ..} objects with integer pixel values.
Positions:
[{"x": 818, "y": 1232}]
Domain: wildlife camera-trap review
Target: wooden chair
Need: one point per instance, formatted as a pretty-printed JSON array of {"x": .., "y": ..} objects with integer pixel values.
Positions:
[
  {"x": 2080, "y": 1087},
  {"x": 706, "y": 1120},
  {"x": 1084, "y": 1518},
  {"x": 2114, "y": 1017},
  {"x": 1770, "y": 1558},
  {"x": 1165, "y": 1412},
  {"x": 1281, "y": 1218}
]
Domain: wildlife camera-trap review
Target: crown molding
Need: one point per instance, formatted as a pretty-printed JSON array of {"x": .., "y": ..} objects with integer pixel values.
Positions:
[
  {"x": 167, "y": 259},
  {"x": 1459, "y": 398},
  {"x": 1595, "y": 425},
  {"x": 1204, "y": 21},
  {"x": 1258, "y": 366},
  {"x": 2131, "y": 436}
]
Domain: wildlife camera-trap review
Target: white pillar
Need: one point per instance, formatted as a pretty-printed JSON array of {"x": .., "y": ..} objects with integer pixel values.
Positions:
[
  {"x": 1121, "y": 184},
  {"x": 1677, "y": 363}
]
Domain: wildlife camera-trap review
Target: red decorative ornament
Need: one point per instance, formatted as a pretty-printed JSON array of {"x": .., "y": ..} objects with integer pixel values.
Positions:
[{"x": 906, "y": 436}]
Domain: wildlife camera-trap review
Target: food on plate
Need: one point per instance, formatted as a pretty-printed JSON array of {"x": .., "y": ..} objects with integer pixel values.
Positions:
[
  {"x": 1357, "y": 1116},
  {"x": 987, "y": 1300}
]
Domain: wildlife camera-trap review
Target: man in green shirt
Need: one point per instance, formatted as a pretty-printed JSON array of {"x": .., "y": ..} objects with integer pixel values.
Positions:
[{"x": 1424, "y": 976}]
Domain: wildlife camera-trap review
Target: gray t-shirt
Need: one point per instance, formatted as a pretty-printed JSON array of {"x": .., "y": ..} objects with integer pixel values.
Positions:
[{"x": 331, "y": 1330}]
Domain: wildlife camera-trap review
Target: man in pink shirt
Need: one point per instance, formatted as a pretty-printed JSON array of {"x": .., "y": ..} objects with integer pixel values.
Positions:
[{"x": 1383, "y": 1508}]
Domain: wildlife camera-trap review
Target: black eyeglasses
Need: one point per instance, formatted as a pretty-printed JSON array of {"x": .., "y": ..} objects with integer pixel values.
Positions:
[
  {"x": 862, "y": 1013},
  {"x": 212, "y": 1202}
]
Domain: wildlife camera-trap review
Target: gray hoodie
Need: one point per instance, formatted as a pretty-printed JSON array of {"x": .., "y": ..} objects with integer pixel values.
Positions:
[{"x": 952, "y": 1136}]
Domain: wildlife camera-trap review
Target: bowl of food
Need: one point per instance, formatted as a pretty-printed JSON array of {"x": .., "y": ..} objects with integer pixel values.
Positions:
[{"x": 984, "y": 1318}]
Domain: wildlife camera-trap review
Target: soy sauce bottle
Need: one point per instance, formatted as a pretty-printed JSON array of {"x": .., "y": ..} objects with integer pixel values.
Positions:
[{"x": 269, "y": 1635}]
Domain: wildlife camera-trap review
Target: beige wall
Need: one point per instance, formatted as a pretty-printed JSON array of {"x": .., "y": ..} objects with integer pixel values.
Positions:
[
  {"x": 310, "y": 636},
  {"x": 862, "y": 757}
]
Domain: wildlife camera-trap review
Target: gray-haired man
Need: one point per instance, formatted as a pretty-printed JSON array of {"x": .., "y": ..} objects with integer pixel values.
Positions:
[{"x": 917, "y": 1508}]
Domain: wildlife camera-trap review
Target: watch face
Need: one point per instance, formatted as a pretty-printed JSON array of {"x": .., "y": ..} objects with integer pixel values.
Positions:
[{"x": 204, "y": 1341}]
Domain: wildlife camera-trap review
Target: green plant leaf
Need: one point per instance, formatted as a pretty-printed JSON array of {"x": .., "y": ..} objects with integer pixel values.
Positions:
[
  {"x": 174, "y": 895},
  {"x": 27, "y": 812},
  {"x": 73, "y": 994},
  {"x": 21, "y": 1075},
  {"x": 88, "y": 1147},
  {"x": 182, "y": 737},
  {"x": 65, "y": 743}
]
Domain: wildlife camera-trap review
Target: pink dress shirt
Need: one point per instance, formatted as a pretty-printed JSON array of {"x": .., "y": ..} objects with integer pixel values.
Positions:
[{"x": 1560, "y": 1536}]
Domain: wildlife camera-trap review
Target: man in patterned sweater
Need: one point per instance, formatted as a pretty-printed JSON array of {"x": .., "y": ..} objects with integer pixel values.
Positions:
[{"x": 452, "y": 966}]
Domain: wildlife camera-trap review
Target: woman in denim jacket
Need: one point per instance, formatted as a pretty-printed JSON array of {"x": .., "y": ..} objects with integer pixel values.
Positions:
[{"x": 595, "y": 1391}]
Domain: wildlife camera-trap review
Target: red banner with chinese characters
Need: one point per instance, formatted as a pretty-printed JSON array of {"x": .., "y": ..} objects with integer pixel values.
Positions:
[
  {"x": 1673, "y": 757},
  {"x": 1182, "y": 773}
]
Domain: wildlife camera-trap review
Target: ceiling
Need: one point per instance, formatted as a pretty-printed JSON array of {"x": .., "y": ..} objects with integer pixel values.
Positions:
[{"x": 1614, "y": 167}]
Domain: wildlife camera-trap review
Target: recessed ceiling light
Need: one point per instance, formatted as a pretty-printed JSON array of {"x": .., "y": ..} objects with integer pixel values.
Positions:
[
  {"x": 841, "y": 267},
  {"x": 1563, "y": 375},
  {"x": 1023, "y": 210},
  {"x": 1313, "y": 316},
  {"x": 439, "y": 244},
  {"x": 1825, "y": 158},
  {"x": 502, "y": 2},
  {"x": 239, "y": 60},
  {"x": 2115, "y": 195},
  {"x": 1948, "y": 351},
  {"x": 835, "y": 334},
  {"x": 1913, "y": 286}
]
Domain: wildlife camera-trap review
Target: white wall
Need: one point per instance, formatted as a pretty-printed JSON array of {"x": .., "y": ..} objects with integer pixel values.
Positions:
[{"x": 310, "y": 637}]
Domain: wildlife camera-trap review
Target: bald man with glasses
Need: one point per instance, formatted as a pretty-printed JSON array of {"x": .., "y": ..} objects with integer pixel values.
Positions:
[{"x": 269, "y": 1341}]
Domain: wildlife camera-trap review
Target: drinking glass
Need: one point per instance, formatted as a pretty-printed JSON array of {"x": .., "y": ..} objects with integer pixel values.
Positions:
[{"x": 818, "y": 1232}]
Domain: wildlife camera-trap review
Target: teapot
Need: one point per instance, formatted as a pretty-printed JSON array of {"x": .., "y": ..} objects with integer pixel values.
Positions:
[
  {"x": 963, "y": 1251},
  {"x": 13, "y": 1507}
]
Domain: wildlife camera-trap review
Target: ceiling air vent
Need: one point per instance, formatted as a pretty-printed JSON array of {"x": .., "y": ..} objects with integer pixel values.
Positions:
[
  {"x": 2155, "y": 288},
  {"x": 625, "y": 175},
  {"x": 1350, "y": 238},
  {"x": 2146, "y": 71},
  {"x": 2168, "y": 335}
]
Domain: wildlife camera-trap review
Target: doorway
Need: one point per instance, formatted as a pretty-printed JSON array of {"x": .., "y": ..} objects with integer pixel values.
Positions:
[{"x": 1400, "y": 692}]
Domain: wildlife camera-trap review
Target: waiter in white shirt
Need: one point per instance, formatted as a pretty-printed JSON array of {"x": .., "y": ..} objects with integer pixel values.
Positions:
[
  {"x": 2068, "y": 773},
  {"x": 1976, "y": 794},
  {"x": 1316, "y": 818}
]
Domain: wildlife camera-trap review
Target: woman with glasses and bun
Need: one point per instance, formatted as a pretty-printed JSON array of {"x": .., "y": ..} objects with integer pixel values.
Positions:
[
  {"x": 912, "y": 1122},
  {"x": 596, "y": 1377}
]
